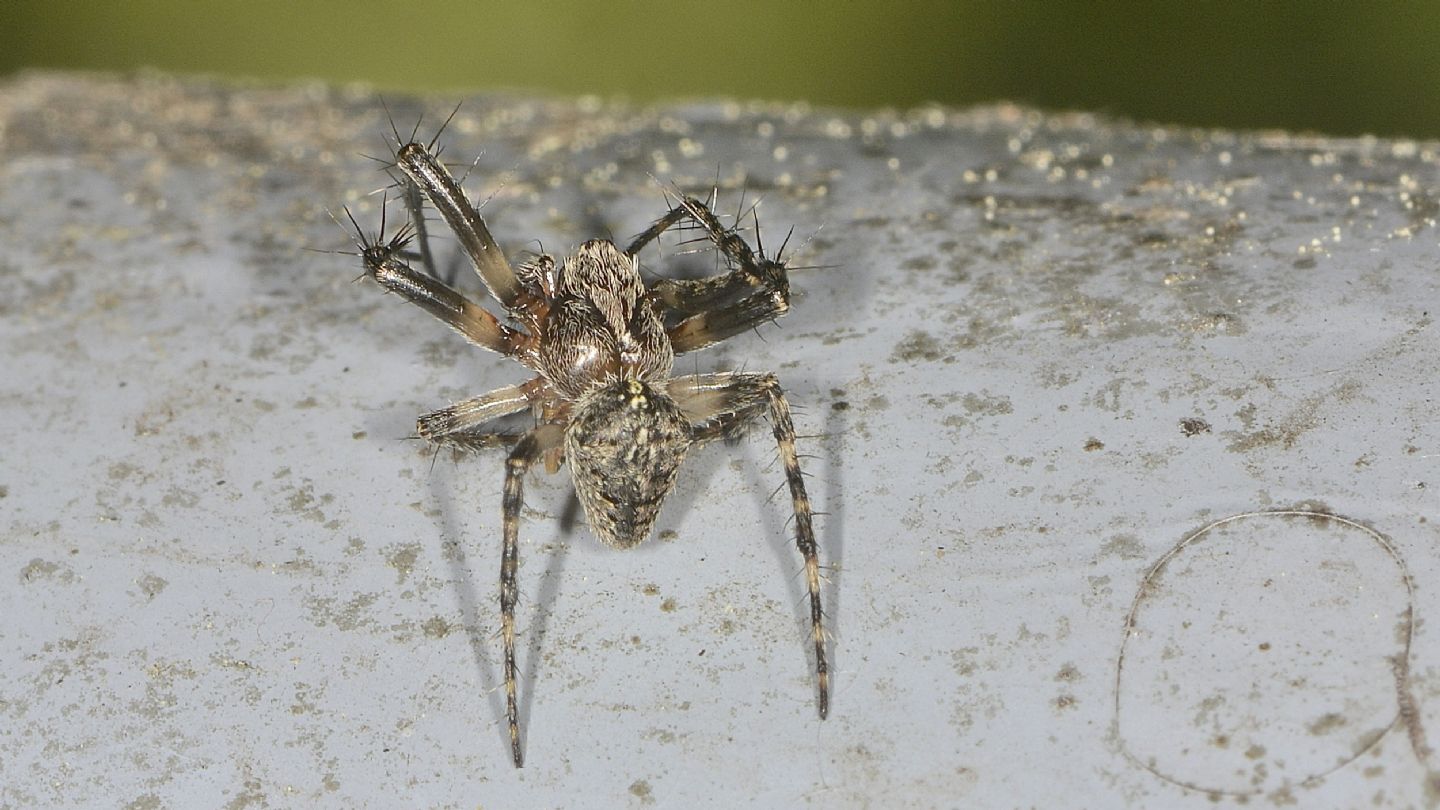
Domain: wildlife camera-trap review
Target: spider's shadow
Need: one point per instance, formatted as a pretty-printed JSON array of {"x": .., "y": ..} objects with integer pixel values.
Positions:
[
  {"x": 454, "y": 541},
  {"x": 547, "y": 593}
]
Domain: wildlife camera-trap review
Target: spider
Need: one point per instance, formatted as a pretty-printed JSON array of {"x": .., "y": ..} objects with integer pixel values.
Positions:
[{"x": 602, "y": 344}]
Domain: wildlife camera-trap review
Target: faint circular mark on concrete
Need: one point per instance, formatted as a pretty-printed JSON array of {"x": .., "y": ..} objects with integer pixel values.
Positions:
[{"x": 1264, "y": 651}]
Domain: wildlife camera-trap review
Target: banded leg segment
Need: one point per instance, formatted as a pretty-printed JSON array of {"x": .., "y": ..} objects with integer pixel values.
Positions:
[
  {"x": 472, "y": 321},
  {"x": 530, "y": 448},
  {"x": 435, "y": 181},
  {"x": 750, "y": 269},
  {"x": 708, "y": 328},
  {"x": 784, "y": 432},
  {"x": 720, "y": 405},
  {"x": 465, "y": 416}
]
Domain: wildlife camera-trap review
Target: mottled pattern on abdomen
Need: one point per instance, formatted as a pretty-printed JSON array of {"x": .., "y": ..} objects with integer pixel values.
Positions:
[{"x": 624, "y": 444}]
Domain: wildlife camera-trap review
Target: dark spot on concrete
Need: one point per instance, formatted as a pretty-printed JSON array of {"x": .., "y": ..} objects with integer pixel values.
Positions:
[
  {"x": 1326, "y": 723},
  {"x": 436, "y": 627},
  {"x": 986, "y": 405},
  {"x": 1125, "y": 546},
  {"x": 1193, "y": 426},
  {"x": 918, "y": 345},
  {"x": 151, "y": 585},
  {"x": 39, "y": 569},
  {"x": 641, "y": 790}
]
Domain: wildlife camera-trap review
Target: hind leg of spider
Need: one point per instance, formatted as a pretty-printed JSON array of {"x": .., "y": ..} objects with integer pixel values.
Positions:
[
  {"x": 530, "y": 448},
  {"x": 750, "y": 268},
  {"x": 720, "y": 406}
]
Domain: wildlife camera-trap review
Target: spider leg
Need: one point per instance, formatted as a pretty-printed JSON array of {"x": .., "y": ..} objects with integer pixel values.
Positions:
[
  {"x": 706, "y": 328},
  {"x": 750, "y": 268},
  {"x": 475, "y": 441},
  {"x": 661, "y": 225},
  {"x": 456, "y": 421},
  {"x": 436, "y": 183},
  {"x": 720, "y": 405},
  {"x": 471, "y": 320},
  {"x": 530, "y": 448}
]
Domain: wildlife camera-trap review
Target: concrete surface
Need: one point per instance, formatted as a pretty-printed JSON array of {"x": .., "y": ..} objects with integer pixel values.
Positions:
[{"x": 1125, "y": 436}]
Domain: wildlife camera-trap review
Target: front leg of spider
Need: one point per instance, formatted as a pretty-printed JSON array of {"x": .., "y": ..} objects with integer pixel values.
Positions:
[{"x": 602, "y": 347}]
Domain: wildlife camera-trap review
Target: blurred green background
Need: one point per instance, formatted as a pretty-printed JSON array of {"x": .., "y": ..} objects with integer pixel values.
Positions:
[{"x": 1342, "y": 68}]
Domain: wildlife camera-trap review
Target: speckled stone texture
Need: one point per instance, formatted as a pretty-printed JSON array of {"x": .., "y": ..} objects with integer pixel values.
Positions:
[{"x": 1126, "y": 438}]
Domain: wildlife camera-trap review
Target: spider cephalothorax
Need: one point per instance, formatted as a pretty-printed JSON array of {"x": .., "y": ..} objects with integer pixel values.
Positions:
[{"x": 602, "y": 343}]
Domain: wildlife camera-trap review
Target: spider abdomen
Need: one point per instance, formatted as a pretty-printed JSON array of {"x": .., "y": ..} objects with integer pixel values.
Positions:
[{"x": 624, "y": 444}]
